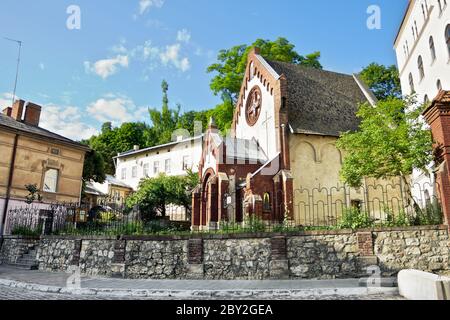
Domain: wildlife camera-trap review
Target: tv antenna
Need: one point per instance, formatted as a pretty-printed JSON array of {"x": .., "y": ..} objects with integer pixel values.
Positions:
[{"x": 18, "y": 64}]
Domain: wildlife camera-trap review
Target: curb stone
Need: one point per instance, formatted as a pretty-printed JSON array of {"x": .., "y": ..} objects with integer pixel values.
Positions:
[{"x": 359, "y": 291}]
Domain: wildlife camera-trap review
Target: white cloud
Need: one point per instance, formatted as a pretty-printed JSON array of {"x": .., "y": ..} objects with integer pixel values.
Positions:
[
  {"x": 145, "y": 52},
  {"x": 184, "y": 36},
  {"x": 171, "y": 55},
  {"x": 116, "y": 109},
  {"x": 154, "y": 55},
  {"x": 65, "y": 121},
  {"x": 5, "y": 100},
  {"x": 145, "y": 5},
  {"x": 107, "y": 67}
]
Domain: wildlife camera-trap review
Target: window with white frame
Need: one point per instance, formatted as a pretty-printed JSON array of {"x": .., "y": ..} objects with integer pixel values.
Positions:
[
  {"x": 124, "y": 173},
  {"x": 134, "y": 172},
  {"x": 156, "y": 167},
  {"x": 167, "y": 166},
  {"x": 146, "y": 170},
  {"x": 50, "y": 180}
]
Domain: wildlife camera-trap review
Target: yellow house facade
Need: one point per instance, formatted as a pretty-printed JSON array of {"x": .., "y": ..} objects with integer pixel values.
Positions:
[{"x": 33, "y": 155}]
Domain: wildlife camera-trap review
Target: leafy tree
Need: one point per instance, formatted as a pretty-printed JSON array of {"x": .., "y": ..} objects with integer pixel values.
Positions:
[
  {"x": 154, "y": 194},
  {"x": 391, "y": 142},
  {"x": 115, "y": 140},
  {"x": 164, "y": 121},
  {"x": 106, "y": 127},
  {"x": 232, "y": 63},
  {"x": 94, "y": 167},
  {"x": 223, "y": 115},
  {"x": 383, "y": 81}
]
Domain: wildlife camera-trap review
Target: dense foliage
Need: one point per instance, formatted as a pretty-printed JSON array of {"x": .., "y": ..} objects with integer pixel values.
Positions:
[
  {"x": 155, "y": 194},
  {"x": 391, "y": 142},
  {"x": 382, "y": 80}
]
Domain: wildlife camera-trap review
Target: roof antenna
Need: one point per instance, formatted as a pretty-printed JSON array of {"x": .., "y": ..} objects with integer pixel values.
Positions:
[{"x": 17, "y": 69}]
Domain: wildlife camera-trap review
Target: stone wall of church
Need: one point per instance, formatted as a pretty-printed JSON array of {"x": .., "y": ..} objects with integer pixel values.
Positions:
[{"x": 306, "y": 255}]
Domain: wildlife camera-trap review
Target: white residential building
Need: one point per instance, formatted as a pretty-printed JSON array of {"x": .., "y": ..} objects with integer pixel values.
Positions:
[
  {"x": 422, "y": 47},
  {"x": 173, "y": 159}
]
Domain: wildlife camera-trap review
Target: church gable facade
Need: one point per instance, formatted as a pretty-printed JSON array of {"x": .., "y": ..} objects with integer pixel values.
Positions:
[{"x": 286, "y": 122}]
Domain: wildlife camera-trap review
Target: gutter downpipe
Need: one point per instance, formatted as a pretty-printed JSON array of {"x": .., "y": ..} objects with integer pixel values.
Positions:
[{"x": 8, "y": 188}]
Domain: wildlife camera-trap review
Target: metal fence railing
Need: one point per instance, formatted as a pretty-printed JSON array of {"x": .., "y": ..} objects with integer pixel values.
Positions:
[{"x": 388, "y": 204}]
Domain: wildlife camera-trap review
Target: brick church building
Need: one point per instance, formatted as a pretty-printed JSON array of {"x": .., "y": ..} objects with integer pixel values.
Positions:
[{"x": 285, "y": 126}]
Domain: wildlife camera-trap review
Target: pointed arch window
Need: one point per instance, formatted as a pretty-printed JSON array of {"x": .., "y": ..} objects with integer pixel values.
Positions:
[{"x": 267, "y": 204}]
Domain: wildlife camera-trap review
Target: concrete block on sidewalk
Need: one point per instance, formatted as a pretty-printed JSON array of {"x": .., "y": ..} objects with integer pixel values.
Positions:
[{"x": 420, "y": 285}]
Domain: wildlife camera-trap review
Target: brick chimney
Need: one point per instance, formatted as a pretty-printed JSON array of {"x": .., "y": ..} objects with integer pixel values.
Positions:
[
  {"x": 7, "y": 111},
  {"x": 32, "y": 114},
  {"x": 17, "y": 110}
]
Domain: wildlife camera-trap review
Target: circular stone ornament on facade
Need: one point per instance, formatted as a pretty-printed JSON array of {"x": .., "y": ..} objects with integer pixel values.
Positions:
[{"x": 254, "y": 105}]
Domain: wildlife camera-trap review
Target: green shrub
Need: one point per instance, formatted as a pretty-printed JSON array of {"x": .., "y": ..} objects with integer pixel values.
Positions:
[
  {"x": 402, "y": 219},
  {"x": 353, "y": 218},
  {"x": 431, "y": 215},
  {"x": 254, "y": 224},
  {"x": 25, "y": 231}
]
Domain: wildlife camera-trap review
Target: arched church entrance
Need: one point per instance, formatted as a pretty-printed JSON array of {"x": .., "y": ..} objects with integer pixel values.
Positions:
[{"x": 210, "y": 197}]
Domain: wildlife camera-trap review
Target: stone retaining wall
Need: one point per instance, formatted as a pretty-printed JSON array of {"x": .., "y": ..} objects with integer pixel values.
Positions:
[
  {"x": 13, "y": 248},
  {"x": 308, "y": 255},
  {"x": 236, "y": 259}
]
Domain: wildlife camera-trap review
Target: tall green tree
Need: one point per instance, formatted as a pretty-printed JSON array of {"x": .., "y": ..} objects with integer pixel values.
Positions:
[
  {"x": 94, "y": 167},
  {"x": 232, "y": 63},
  {"x": 112, "y": 141},
  {"x": 384, "y": 81},
  {"x": 164, "y": 121},
  {"x": 390, "y": 142}
]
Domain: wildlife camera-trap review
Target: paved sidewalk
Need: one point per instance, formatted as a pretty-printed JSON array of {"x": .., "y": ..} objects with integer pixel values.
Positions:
[{"x": 96, "y": 286}]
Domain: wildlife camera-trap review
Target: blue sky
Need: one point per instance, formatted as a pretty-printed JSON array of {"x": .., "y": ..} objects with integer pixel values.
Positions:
[{"x": 111, "y": 69}]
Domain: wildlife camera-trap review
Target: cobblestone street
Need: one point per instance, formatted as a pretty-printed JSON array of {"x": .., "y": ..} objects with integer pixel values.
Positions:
[{"x": 8, "y": 293}]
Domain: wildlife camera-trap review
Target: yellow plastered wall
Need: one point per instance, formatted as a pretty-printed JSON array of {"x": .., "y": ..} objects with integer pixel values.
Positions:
[
  {"x": 33, "y": 157},
  {"x": 320, "y": 196}
]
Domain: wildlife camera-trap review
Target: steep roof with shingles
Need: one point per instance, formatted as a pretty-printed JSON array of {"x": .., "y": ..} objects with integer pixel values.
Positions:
[{"x": 320, "y": 102}]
